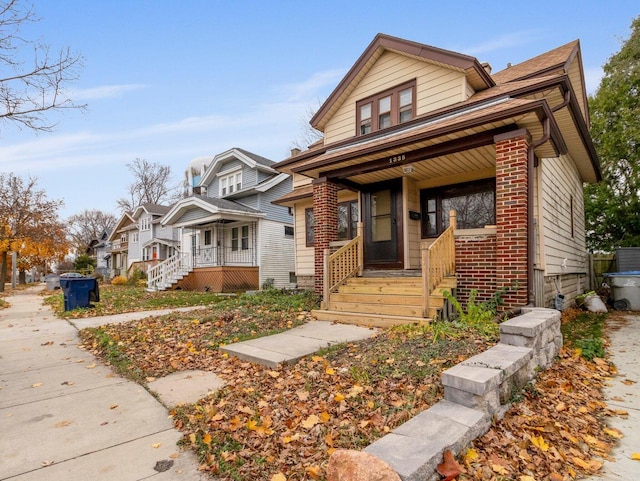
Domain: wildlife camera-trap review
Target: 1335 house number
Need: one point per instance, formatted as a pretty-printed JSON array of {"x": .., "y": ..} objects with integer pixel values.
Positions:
[{"x": 396, "y": 158}]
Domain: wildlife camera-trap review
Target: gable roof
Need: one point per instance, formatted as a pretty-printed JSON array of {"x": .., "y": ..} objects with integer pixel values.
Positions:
[
  {"x": 475, "y": 72},
  {"x": 250, "y": 159},
  {"x": 125, "y": 220},
  {"x": 213, "y": 208},
  {"x": 153, "y": 209},
  {"x": 550, "y": 86}
]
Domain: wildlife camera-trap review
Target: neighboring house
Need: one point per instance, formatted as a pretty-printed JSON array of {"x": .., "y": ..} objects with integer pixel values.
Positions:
[
  {"x": 100, "y": 250},
  {"x": 414, "y": 132},
  {"x": 119, "y": 240},
  {"x": 151, "y": 242},
  {"x": 233, "y": 237},
  {"x": 193, "y": 174}
]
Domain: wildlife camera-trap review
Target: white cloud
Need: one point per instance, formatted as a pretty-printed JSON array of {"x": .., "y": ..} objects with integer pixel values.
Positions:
[
  {"x": 313, "y": 87},
  {"x": 504, "y": 41},
  {"x": 105, "y": 91}
]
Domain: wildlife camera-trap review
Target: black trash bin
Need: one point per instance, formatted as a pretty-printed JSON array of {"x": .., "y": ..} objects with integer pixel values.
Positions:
[{"x": 78, "y": 290}]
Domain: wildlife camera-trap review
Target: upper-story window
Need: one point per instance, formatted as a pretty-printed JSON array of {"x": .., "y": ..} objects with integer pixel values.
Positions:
[
  {"x": 230, "y": 183},
  {"x": 145, "y": 223},
  {"x": 386, "y": 109}
]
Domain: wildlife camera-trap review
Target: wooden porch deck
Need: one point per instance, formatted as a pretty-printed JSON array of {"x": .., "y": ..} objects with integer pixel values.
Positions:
[{"x": 384, "y": 300}]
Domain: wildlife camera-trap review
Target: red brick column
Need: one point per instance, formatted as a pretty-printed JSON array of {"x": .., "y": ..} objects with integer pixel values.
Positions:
[
  {"x": 325, "y": 213},
  {"x": 512, "y": 150}
]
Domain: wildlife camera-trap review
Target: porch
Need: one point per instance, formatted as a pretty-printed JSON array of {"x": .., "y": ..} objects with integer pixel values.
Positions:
[
  {"x": 220, "y": 255},
  {"x": 383, "y": 298}
]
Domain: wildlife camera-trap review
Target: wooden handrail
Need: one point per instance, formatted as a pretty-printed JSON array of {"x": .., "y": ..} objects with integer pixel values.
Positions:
[
  {"x": 438, "y": 261},
  {"x": 342, "y": 264}
]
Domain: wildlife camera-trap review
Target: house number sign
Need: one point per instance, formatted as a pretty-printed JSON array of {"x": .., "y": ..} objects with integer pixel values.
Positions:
[{"x": 397, "y": 158}]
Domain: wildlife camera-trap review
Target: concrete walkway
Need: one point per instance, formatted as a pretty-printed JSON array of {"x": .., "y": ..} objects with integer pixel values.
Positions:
[
  {"x": 623, "y": 394},
  {"x": 65, "y": 416}
]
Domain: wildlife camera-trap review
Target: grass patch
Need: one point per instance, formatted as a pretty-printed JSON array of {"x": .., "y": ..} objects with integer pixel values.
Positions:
[
  {"x": 120, "y": 299},
  {"x": 584, "y": 330}
]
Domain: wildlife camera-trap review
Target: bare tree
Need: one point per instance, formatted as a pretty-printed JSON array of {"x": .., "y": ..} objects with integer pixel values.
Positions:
[
  {"x": 308, "y": 135},
  {"x": 153, "y": 184},
  {"x": 86, "y": 226},
  {"x": 28, "y": 92}
]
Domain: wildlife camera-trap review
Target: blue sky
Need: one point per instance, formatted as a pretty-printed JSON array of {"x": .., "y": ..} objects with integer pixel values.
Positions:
[{"x": 169, "y": 81}]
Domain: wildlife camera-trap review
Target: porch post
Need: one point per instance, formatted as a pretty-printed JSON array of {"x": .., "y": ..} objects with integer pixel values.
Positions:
[
  {"x": 511, "y": 215},
  {"x": 325, "y": 214}
]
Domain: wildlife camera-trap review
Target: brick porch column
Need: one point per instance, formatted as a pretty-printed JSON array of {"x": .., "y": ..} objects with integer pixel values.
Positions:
[
  {"x": 511, "y": 215},
  {"x": 325, "y": 213}
]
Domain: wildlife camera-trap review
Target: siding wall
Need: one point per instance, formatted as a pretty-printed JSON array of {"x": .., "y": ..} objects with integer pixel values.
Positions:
[
  {"x": 436, "y": 87},
  {"x": 275, "y": 253},
  {"x": 411, "y": 201},
  {"x": 274, "y": 212},
  {"x": 300, "y": 180},
  {"x": 564, "y": 254},
  {"x": 304, "y": 260}
]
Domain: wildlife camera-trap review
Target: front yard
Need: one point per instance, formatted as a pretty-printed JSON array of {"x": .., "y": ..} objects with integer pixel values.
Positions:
[{"x": 277, "y": 424}]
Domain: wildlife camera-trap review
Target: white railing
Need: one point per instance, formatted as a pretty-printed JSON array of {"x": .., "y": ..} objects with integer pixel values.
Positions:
[{"x": 162, "y": 275}]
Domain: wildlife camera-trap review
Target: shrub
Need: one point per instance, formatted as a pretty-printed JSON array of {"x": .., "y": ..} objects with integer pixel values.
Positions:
[
  {"x": 136, "y": 276},
  {"x": 119, "y": 281}
]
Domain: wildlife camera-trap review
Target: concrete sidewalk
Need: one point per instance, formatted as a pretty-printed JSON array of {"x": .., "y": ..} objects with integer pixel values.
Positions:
[
  {"x": 623, "y": 393},
  {"x": 65, "y": 416}
]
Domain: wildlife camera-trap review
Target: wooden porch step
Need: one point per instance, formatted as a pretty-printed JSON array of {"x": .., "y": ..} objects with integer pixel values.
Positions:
[
  {"x": 362, "y": 319},
  {"x": 367, "y": 297}
]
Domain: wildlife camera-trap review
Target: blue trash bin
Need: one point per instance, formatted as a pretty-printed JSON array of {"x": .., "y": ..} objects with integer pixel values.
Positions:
[{"x": 78, "y": 290}]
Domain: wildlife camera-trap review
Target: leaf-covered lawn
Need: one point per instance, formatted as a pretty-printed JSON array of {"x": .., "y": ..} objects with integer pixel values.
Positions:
[
  {"x": 284, "y": 423},
  {"x": 119, "y": 299}
]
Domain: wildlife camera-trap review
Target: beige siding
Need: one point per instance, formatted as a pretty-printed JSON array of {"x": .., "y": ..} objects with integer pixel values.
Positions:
[
  {"x": 436, "y": 87},
  {"x": 304, "y": 255},
  {"x": 411, "y": 201},
  {"x": 300, "y": 180},
  {"x": 564, "y": 253}
]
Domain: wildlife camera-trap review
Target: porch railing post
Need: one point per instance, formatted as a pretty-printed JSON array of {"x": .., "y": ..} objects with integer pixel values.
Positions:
[
  {"x": 326, "y": 279},
  {"x": 453, "y": 219},
  {"x": 360, "y": 232},
  {"x": 424, "y": 265}
]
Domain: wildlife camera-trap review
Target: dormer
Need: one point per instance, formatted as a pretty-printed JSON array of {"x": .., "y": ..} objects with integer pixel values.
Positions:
[{"x": 395, "y": 81}]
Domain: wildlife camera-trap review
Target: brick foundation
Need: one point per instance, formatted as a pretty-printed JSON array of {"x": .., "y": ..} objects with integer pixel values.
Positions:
[{"x": 476, "y": 267}]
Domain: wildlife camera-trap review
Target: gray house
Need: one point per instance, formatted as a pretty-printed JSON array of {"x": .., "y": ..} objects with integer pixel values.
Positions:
[{"x": 233, "y": 237}]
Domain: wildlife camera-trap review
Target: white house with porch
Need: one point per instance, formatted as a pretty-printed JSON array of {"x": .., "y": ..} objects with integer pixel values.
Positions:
[{"x": 233, "y": 238}]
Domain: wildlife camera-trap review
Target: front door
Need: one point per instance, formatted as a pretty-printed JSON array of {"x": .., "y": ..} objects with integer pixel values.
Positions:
[{"x": 382, "y": 219}]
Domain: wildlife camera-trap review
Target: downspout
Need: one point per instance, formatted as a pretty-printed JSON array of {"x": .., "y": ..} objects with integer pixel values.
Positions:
[{"x": 530, "y": 230}]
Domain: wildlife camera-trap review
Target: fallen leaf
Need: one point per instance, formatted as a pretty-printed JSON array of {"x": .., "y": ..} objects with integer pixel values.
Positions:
[
  {"x": 113, "y": 406},
  {"x": 614, "y": 433},
  {"x": 206, "y": 439},
  {"x": 311, "y": 421},
  {"x": 174, "y": 455},
  {"x": 278, "y": 477},
  {"x": 635, "y": 456},
  {"x": 38, "y": 384},
  {"x": 330, "y": 371},
  {"x": 628, "y": 382},
  {"x": 47, "y": 463},
  {"x": 91, "y": 366},
  {"x": 156, "y": 445},
  {"x": 62, "y": 424},
  {"x": 338, "y": 397},
  {"x": 449, "y": 468},
  {"x": 314, "y": 471},
  {"x": 539, "y": 442},
  {"x": 526, "y": 478}
]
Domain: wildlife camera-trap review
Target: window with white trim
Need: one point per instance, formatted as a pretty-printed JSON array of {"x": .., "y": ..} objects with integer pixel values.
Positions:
[
  {"x": 134, "y": 237},
  {"x": 145, "y": 223},
  {"x": 230, "y": 183}
]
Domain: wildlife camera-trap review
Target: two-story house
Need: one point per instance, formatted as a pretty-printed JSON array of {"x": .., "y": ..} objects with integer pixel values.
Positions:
[
  {"x": 152, "y": 242},
  {"x": 233, "y": 237},
  {"x": 434, "y": 175},
  {"x": 124, "y": 230}
]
